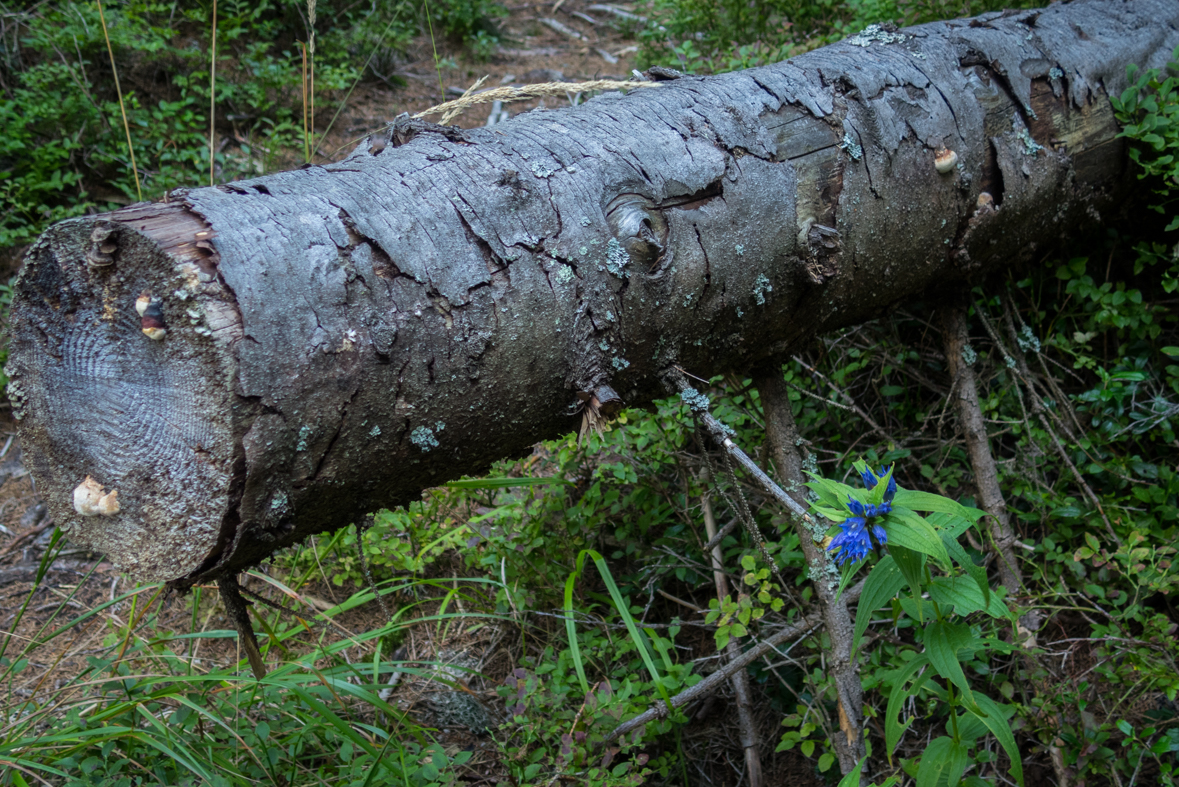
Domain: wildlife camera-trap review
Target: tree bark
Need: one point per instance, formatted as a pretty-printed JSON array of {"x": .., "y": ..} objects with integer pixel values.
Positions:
[
  {"x": 783, "y": 439},
  {"x": 959, "y": 358},
  {"x": 338, "y": 338}
]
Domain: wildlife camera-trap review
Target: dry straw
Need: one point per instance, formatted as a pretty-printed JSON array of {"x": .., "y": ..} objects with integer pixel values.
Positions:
[{"x": 452, "y": 109}]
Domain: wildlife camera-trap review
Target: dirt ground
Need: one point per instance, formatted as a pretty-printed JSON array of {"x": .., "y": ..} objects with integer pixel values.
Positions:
[{"x": 530, "y": 52}]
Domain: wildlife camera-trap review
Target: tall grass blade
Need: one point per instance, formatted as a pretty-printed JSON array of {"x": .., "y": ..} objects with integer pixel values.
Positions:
[
  {"x": 123, "y": 109},
  {"x": 213, "y": 94}
]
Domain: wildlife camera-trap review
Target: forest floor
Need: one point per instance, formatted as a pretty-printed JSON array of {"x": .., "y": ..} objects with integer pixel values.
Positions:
[{"x": 530, "y": 52}]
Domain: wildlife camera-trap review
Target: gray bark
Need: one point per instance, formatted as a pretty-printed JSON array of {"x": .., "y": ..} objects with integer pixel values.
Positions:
[
  {"x": 783, "y": 439},
  {"x": 339, "y": 338},
  {"x": 978, "y": 445}
]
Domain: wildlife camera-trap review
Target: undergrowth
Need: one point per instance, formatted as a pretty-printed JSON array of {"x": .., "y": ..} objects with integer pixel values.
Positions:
[
  {"x": 711, "y": 36},
  {"x": 63, "y": 152}
]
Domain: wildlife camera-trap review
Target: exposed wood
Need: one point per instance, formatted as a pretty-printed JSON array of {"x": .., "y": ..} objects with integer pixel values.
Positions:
[{"x": 338, "y": 338}]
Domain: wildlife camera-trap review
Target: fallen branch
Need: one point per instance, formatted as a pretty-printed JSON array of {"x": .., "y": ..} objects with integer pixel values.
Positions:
[{"x": 713, "y": 681}]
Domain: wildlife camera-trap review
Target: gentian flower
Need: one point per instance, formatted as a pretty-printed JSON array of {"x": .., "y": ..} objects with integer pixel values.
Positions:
[
  {"x": 852, "y": 542},
  {"x": 871, "y": 479},
  {"x": 856, "y": 533}
]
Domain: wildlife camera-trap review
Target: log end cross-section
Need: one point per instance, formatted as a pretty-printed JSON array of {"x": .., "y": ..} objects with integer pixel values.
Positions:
[
  {"x": 134, "y": 425},
  {"x": 204, "y": 381}
]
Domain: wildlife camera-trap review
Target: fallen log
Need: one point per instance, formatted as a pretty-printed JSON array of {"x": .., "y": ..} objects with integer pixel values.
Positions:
[{"x": 203, "y": 381}]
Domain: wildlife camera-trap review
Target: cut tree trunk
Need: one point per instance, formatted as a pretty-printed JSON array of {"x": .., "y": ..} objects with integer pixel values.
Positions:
[{"x": 338, "y": 338}]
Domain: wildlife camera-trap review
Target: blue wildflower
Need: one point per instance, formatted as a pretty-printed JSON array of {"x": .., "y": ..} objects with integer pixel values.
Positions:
[
  {"x": 870, "y": 480},
  {"x": 852, "y": 542}
]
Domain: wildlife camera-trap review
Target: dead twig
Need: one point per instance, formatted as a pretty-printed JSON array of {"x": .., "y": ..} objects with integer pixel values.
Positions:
[{"x": 713, "y": 681}]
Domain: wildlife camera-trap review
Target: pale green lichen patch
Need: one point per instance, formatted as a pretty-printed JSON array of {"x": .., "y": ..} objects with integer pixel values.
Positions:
[
  {"x": 564, "y": 274},
  {"x": 760, "y": 288},
  {"x": 374, "y": 432},
  {"x": 695, "y": 400},
  {"x": 423, "y": 438},
  {"x": 1030, "y": 146},
  {"x": 620, "y": 363},
  {"x": 616, "y": 258},
  {"x": 852, "y": 147},
  {"x": 876, "y": 34},
  {"x": 1027, "y": 340},
  {"x": 969, "y": 356},
  {"x": 304, "y": 433}
]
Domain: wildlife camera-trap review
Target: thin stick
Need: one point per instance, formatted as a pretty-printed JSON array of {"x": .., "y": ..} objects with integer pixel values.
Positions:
[
  {"x": 720, "y": 433},
  {"x": 235, "y": 607},
  {"x": 213, "y": 94},
  {"x": 710, "y": 684},
  {"x": 524, "y": 92},
  {"x": 311, "y": 77},
  {"x": 1038, "y": 409},
  {"x": 306, "y": 149},
  {"x": 119, "y": 92},
  {"x": 747, "y": 728}
]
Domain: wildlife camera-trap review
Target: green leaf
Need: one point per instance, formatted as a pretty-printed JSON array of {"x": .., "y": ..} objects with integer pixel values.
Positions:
[
  {"x": 942, "y": 763},
  {"x": 882, "y": 584},
  {"x": 892, "y": 725},
  {"x": 996, "y": 721},
  {"x": 977, "y": 573},
  {"x": 571, "y": 630},
  {"x": 943, "y": 640},
  {"x": 963, "y": 593},
  {"x": 831, "y": 493},
  {"x": 952, "y": 525},
  {"x": 916, "y": 608},
  {"x": 912, "y": 566},
  {"x": 907, "y": 529},
  {"x": 927, "y": 501},
  {"x": 852, "y": 778}
]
